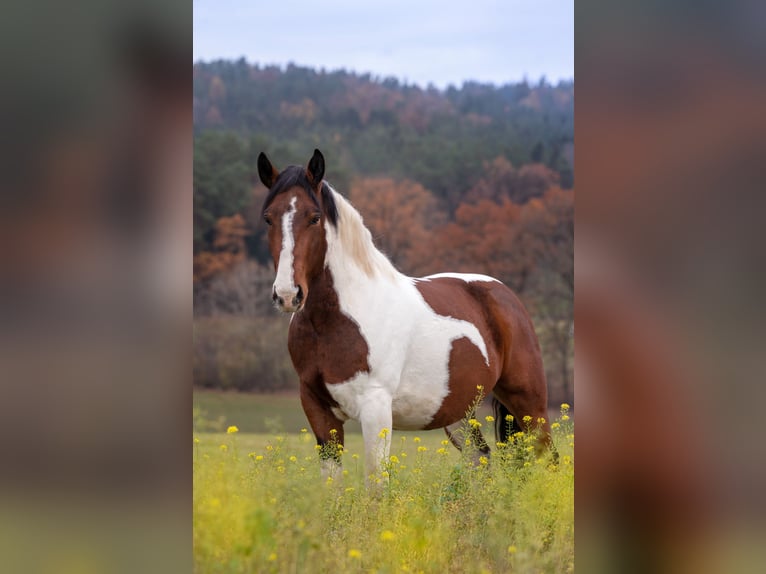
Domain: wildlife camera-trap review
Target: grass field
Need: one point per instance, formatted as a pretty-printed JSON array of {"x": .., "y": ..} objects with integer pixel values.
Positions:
[{"x": 261, "y": 506}]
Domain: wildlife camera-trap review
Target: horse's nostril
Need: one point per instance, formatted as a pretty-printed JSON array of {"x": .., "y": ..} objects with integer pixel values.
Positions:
[
  {"x": 274, "y": 296},
  {"x": 299, "y": 296}
]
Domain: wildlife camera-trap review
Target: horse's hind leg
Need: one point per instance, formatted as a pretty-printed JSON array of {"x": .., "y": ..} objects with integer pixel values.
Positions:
[
  {"x": 478, "y": 446},
  {"x": 506, "y": 425},
  {"x": 522, "y": 391}
]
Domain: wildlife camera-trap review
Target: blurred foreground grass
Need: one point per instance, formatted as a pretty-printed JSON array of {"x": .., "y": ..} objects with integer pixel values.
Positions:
[{"x": 261, "y": 506}]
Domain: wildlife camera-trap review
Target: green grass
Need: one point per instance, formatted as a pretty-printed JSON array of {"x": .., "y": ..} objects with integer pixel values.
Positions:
[{"x": 261, "y": 506}]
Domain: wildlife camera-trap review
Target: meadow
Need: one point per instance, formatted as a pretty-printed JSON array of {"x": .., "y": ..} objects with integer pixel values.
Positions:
[{"x": 260, "y": 504}]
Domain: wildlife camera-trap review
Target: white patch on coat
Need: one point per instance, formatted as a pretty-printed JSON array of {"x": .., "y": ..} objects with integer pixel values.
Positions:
[
  {"x": 409, "y": 344},
  {"x": 284, "y": 284},
  {"x": 467, "y": 277}
]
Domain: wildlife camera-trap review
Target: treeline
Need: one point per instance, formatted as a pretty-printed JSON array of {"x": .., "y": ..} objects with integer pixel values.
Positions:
[{"x": 476, "y": 178}]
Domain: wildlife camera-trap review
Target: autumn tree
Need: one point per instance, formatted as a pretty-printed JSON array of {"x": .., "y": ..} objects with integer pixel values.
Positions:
[
  {"x": 547, "y": 234},
  {"x": 501, "y": 180},
  {"x": 481, "y": 240},
  {"x": 228, "y": 249}
]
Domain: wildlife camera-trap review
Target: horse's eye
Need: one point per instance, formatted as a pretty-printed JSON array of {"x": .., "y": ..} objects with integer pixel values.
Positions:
[
  {"x": 315, "y": 219},
  {"x": 267, "y": 219}
]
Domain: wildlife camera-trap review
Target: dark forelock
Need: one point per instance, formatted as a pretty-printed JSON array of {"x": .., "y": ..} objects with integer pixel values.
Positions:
[{"x": 295, "y": 176}]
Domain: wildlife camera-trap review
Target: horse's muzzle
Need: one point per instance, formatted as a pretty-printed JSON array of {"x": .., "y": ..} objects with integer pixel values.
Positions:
[{"x": 288, "y": 303}]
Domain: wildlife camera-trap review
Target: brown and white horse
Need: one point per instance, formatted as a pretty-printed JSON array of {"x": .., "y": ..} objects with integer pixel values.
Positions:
[{"x": 373, "y": 345}]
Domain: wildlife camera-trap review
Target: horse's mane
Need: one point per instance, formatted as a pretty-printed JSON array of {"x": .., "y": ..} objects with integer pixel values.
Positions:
[{"x": 356, "y": 240}]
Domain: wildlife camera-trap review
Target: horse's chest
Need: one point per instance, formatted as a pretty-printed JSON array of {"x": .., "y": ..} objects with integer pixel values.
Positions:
[{"x": 334, "y": 351}]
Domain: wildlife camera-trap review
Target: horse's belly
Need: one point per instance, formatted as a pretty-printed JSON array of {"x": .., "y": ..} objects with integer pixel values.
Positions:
[
  {"x": 422, "y": 389},
  {"x": 415, "y": 409}
]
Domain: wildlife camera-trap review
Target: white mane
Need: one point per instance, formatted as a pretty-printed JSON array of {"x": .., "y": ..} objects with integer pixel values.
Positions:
[{"x": 352, "y": 242}]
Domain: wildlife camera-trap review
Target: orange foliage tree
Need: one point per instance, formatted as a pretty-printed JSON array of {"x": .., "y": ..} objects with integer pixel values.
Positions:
[
  {"x": 503, "y": 181},
  {"x": 481, "y": 240},
  {"x": 228, "y": 249}
]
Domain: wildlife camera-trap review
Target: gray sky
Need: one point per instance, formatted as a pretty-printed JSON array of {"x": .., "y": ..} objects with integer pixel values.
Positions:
[{"x": 421, "y": 41}]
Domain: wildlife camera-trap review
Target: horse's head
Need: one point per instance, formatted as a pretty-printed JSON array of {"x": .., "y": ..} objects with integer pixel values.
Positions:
[{"x": 296, "y": 209}]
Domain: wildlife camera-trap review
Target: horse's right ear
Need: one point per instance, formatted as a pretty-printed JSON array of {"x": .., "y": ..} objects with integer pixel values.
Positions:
[{"x": 267, "y": 172}]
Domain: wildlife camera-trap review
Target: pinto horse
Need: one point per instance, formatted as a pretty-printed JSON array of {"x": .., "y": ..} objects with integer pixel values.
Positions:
[{"x": 390, "y": 351}]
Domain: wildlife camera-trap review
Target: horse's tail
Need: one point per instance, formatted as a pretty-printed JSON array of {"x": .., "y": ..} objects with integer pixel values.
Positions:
[{"x": 503, "y": 427}]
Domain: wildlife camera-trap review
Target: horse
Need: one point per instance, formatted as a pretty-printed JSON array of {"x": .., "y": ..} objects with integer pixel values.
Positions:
[{"x": 393, "y": 352}]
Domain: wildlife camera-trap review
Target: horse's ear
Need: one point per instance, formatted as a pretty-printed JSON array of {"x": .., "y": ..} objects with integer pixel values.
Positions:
[
  {"x": 267, "y": 172},
  {"x": 315, "y": 169}
]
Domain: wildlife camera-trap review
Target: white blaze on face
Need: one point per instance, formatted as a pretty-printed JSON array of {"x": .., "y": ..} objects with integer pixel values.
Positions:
[{"x": 284, "y": 285}]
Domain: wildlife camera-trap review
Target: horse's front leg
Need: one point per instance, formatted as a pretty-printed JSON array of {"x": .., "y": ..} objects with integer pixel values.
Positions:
[
  {"x": 376, "y": 419},
  {"x": 328, "y": 430}
]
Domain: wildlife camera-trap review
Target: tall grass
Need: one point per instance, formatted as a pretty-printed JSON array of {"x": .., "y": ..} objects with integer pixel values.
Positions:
[{"x": 261, "y": 506}]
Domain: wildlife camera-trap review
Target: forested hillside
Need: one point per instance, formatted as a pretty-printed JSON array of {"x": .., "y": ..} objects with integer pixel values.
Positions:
[{"x": 473, "y": 178}]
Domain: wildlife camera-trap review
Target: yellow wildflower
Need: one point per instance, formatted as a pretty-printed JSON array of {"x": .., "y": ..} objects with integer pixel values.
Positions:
[
  {"x": 564, "y": 418},
  {"x": 394, "y": 459},
  {"x": 527, "y": 419},
  {"x": 272, "y": 557},
  {"x": 483, "y": 460},
  {"x": 445, "y": 442},
  {"x": 231, "y": 430},
  {"x": 383, "y": 433},
  {"x": 224, "y": 448},
  {"x": 567, "y": 460},
  {"x": 565, "y": 406},
  {"x": 512, "y": 549},
  {"x": 474, "y": 423},
  {"x": 442, "y": 450},
  {"x": 489, "y": 419},
  {"x": 541, "y": 420},
  {"x": 259, "y": 457},
  {"x": 354, "y": 553},
  {"x": 196, "y": 440},
  {"x": 354, "y": 456},
  {"x": 304, "y": 430},
  {"x": 387, "y": 535},
  {"x": 416, "y": 439},
  {"x": 555, "y": 425},
  {"x": 422, "y": 449},
  {"x": 509, "y": 418},
  {"x": 293, "y": 459}
]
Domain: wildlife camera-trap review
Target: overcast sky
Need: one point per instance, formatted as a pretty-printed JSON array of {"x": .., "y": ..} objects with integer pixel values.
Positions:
[{"x": 421, "y": 41}]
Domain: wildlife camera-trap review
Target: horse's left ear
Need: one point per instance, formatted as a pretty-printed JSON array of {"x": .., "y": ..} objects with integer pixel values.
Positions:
[
  {"x": 267, "y": 172},
  {"x": 315, "y": 169}
]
